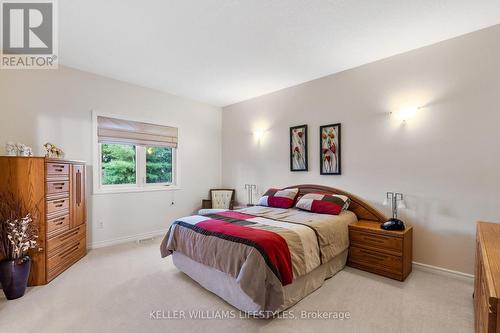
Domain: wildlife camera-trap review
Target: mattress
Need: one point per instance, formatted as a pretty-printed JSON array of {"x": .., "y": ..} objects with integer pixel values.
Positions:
[
  {"x": 228, "y": 288},
  {"x": 269, "y": 258}
]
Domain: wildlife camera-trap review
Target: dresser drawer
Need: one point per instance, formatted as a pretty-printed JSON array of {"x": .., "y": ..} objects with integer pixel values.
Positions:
[
  {"x": 375, "y": 259},
  {"x": 62, "y": 240},
  {"x": 380, "y": 241},
  {"x": 57, "y": 205},
  {"x": 58, "y": 187},
  {"x": 57, "y": 225},
  {"x": 57, "y": 170},
  {"x": 65, "y": 257}
]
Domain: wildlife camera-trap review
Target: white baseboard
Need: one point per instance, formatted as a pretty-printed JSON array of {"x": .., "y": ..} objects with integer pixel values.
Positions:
[
  {"x": 443, "y": 271},
  {"x": 126, "y": 239}
]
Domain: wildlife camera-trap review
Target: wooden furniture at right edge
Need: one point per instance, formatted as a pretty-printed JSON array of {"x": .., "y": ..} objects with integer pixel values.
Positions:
[{"x": 487, "y": 278}]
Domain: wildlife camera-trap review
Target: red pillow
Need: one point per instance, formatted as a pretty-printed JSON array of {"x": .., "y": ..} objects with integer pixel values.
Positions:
[
  {"x": 279, "y": 198},
  {"x": 323, "y": 203}
]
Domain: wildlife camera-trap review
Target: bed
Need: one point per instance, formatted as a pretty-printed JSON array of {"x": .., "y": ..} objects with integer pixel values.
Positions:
[{"x": 263, "y": 260}]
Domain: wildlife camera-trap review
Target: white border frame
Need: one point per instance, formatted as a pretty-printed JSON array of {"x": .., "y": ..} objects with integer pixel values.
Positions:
[{"x": 96, "y": 175}]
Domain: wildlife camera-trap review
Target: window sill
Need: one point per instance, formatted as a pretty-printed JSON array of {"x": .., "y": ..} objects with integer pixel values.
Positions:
[{"x": 115, "y": 190}]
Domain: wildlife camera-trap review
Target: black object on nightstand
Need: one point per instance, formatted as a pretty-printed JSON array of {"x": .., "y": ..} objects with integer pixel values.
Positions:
[{"x": 393, "y": 224}]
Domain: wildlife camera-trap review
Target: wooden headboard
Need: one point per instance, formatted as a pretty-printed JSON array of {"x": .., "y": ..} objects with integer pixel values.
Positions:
[{"x": 361, "y": 208}]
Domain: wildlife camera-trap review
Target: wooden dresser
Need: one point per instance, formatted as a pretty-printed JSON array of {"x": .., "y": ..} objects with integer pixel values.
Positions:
[
  {"x": 54, "y": 190},
  {"x": 487, "y": 278},
  {"x": 383, "y": 252}
]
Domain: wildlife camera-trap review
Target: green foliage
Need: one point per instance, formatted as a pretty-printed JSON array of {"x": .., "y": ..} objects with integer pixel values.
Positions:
[
  {"x": 158, "y": 165},
  {"x": 119, "y": 164}
]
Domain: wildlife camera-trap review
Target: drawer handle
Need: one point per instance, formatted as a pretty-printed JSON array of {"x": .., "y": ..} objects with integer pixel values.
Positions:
[
  {"x": 71, "y": 234},
  {"x": 58, "y": 186},
  {"x": 58, "y": 204},
  {"x": 69, "y": 251},
  {"x": 78, "y": 187},
  {"x": 59, "y": 221},
  {"x": 373, "y": 255},
  {"x": 375, "y": 240},
  {"x": 58, "y": 170}
]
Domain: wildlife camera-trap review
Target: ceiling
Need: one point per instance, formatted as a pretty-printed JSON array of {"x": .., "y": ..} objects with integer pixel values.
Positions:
[{"x": 225, "y": 51}]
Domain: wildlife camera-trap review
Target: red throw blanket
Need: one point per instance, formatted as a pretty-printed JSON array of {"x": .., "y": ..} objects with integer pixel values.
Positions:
[{"x": 231, "y": 226}]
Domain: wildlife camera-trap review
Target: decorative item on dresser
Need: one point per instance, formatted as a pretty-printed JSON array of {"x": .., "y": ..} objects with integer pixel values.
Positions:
[
  {"x": 18, "y": 149},
  {"x": 11, "y": 149},
  {"x": 487, "y": 278},
  {"x": 54, "y": 189},
  {"x": 383, "y": 252},
  {"x": 52, "y": 151}
]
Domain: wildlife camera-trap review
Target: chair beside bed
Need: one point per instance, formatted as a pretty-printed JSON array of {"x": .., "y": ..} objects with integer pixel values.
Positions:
[{"x": 219, "y": 199}]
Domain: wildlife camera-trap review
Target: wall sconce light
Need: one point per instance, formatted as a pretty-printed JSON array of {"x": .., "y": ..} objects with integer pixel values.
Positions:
[
  {"x": 406, "y": 113},
  {"x": 258, "y": 135}
]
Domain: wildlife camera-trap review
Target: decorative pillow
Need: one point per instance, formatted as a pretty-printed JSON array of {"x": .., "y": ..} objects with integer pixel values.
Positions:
[
  {"x": 323, "y": 203},
  {"x": 279, "y": 198}
]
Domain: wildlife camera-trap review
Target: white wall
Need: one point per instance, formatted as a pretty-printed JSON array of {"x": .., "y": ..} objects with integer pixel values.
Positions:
[
  {"x": 55, "y": 106},
  {"x": 446, "y": 160}
]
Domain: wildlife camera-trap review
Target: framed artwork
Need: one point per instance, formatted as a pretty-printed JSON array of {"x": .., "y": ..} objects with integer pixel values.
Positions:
[
  {"x": 298, "y": 148},
  {"x": 329, "y": 149}
]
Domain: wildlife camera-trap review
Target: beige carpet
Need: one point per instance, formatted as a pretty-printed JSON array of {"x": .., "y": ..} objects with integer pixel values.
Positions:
[{"x": 115, "y": 289}]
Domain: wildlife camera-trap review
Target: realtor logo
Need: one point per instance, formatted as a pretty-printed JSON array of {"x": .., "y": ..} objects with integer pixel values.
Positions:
[{"x": 28, "y": 34}]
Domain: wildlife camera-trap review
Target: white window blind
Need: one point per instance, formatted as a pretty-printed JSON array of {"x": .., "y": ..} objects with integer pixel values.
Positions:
[{"x": 137, "y": 133}]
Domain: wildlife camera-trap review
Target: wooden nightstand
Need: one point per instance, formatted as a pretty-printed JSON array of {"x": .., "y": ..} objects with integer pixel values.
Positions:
[{"x": 383, "y": 252}]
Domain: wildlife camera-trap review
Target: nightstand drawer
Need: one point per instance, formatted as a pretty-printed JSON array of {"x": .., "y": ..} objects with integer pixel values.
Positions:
[
  {"x": 380, "y": 241},
  {"x": 375, "y": 259}
]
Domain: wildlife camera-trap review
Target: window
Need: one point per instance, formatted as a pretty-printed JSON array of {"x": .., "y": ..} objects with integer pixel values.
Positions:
[
  {"x": 134, "y": 156},
  {"x": 118, "y": 164},
  {"x": 126, "y": 164},
  {"x": 158, "y": 165}
]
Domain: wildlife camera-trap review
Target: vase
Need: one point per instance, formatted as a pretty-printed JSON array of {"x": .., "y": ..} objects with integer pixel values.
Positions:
[{"x": 14, "y": 277}]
